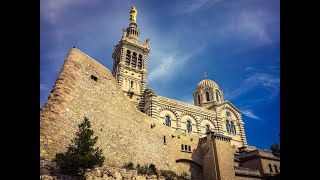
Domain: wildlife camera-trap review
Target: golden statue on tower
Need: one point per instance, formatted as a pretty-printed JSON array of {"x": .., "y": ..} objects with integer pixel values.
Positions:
[{"x": 133, "y": 14}]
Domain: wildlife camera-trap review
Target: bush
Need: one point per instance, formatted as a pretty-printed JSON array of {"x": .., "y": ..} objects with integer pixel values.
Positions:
[
  {"x": 146, "y": 169},
  {"x": 184, "y": 176},
  {"x": 81, "y": 154},
  {"x": 169, "y": 175},
  {"x": 153, "y": 169},
  {"x": 129, "y": 166}
]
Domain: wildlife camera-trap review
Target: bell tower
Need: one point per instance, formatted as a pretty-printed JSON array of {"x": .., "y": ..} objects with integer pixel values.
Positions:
[{"x": 130, "y": 62}]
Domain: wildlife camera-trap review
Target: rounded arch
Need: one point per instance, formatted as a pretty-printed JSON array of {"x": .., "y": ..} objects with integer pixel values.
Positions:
[
  {"x": 207, "y": 94},
  {"x": 164, "y": 111},
  {"x": 206, "y": 122},
  {"x": 167, "y": 108},
  {"x": 187, "y": 113},
  {"x": 230, "y": 120},
  {"x": 199, "y": 99},
  {"x": 184, "y": 123},
  {"x": 221, "y": 112}
]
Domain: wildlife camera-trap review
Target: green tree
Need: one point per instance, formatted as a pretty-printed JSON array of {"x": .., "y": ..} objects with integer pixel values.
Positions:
[
  {"x": 275, "y": 149},
  {"x": 81, "y": 154}
]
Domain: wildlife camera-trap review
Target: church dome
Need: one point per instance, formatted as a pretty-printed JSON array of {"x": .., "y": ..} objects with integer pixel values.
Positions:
[{"x": 206, "y": 84}]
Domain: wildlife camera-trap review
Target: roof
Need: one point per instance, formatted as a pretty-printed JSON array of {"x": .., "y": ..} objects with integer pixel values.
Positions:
[{"x": 206, "y": 84}]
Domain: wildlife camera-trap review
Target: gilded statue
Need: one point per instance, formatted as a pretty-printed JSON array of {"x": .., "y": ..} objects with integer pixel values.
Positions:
[{"x": 133, "y": 14}]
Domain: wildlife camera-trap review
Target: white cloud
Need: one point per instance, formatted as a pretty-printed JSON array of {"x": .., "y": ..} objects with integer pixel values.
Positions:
[
  {"x": 51, "y": 10},
  {"x": 248, "y": 26},
  {"x": 249, "y": 114},
  {"x": 169, "y": 63},
  {"x": 269, "y": 82}
]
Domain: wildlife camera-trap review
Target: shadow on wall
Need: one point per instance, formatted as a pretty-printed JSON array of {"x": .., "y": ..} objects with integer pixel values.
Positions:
[{"x": 195, "y": 167}]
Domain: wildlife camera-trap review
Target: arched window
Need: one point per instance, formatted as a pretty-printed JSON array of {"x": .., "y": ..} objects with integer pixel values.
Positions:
[
  {"x": 199, "y": 99},
  {"x": 276, "y": 168},
  {"x": 134, "y": 59},
  {"x": 131, "y": 84},
  {"x": 128, "y": 55},
  {"x": 228, "y": 114},
  {"x": 228, "y": 126},
  {"x": 217, "y": 96},
  {"x": 140, "y": 61},
  {"x": 189, "y": 126},
  {"x": 207, "y": 96},
  {"x": 207, "y": 128},
  {"x": 270, "y": 168},
  {"x": 168, "y": 121}
]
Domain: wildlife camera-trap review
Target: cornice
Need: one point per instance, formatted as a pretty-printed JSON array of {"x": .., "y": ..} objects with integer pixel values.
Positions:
[
  {"x": 182, "y": 106},
  {"x": 229, "y": 103}
]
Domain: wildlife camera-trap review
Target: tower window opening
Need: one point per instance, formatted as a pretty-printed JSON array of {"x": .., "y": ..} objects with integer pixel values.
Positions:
[
  {"x": 140, "y": 62},
  {"x": 168, "y": 121},
  {"x": 131, "y": 84},
  {"x": 128, "y": 55},
  {"x": 199, "y": 99},
  {"x": 134, "y": 59},
  {"x": 164, "y": 140},
  {"x": 270, "y": 168},
  {"x": 189, "y": 126},
  {"x": 207, "y": 96},
  {"x": 217, "y": 96}
]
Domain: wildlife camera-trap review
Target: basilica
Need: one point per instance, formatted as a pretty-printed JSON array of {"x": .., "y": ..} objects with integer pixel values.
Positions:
[{"x": 206, "y": 139}]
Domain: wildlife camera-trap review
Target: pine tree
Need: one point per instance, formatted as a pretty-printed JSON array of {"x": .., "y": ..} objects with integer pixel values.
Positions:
[
  {"x": 81, "y": 154},
  {"x": 275, "y": 149}
]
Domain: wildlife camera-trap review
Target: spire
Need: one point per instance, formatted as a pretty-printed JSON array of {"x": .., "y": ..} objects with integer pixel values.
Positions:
[{"x": 205, "y": 75}]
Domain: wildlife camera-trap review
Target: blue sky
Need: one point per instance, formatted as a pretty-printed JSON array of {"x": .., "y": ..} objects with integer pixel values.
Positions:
[{"x": 236, "y": 42}]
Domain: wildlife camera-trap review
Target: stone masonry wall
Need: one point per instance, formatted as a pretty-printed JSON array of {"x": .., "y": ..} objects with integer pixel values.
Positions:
[
  {"x": 225, "y": 158},
  {"x": 124, "y": 133},
  {"x": 265, "y": 165}
]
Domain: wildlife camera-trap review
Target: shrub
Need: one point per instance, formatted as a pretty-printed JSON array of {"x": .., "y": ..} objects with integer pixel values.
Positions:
[
  {"x": 169, "y": 175},
  {"x": 129, "y": 166},
  {"x": 146, "y": 169},
  {"x": 184, "y": 176},
  {"x": 153, "y": 169},
  {"x": 81, "y": 154}
]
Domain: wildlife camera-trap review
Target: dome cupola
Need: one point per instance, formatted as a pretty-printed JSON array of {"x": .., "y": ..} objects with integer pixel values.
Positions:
[{"x": 207, "y": 94}]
